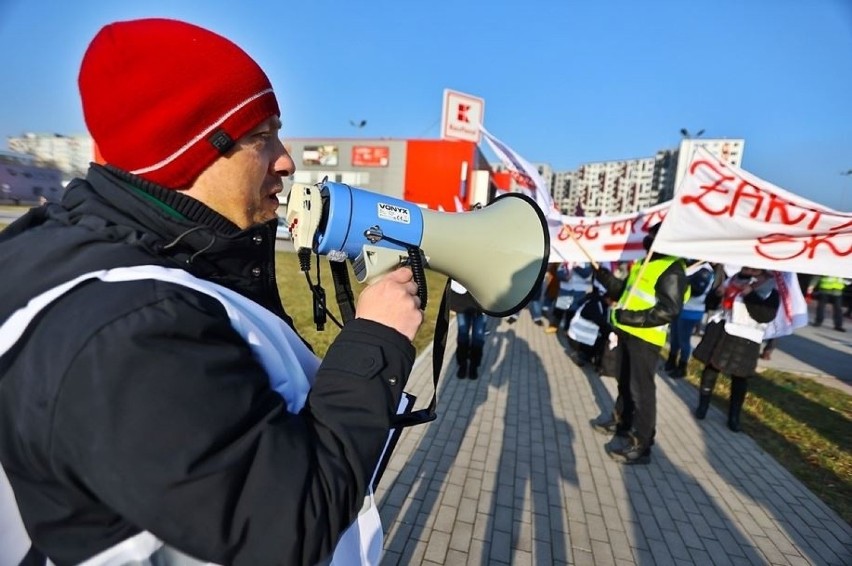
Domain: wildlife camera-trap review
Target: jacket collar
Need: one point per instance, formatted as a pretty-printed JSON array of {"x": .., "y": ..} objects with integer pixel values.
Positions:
[{"x": 179, "y": 230}]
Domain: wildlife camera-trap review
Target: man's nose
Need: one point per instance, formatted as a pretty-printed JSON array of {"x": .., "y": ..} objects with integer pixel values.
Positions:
[{"x": 283, "y": 164}]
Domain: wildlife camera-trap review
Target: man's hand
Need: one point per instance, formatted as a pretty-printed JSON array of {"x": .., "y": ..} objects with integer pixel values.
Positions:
[{"x": 392, "y": 300}]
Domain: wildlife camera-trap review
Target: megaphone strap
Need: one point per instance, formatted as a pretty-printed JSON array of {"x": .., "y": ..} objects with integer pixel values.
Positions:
[
  {"x": 439, "y": 345},
  {"x": 343, "y": 290}
]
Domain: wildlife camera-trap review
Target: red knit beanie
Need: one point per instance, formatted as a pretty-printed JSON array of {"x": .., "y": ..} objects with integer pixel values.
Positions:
[{"x": 164, "y": 99}]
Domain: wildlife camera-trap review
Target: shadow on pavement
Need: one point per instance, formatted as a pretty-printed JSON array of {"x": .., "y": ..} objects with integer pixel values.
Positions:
[
  {"x": 754, "y": 481},
  {"x": 828, "y": 360}
]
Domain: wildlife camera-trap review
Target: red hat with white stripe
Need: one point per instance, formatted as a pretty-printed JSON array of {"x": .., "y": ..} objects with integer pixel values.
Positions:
[{"x": 164, "y": 99}]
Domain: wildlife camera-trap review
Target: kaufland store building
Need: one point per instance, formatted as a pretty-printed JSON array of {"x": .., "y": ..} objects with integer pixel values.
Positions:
[
  {"x": 431, "y": 173},
  {"x": 440, "y": 174}
]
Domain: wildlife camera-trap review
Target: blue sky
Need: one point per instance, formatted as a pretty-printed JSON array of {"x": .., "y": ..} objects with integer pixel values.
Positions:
[{"x": 564, "y": 82}]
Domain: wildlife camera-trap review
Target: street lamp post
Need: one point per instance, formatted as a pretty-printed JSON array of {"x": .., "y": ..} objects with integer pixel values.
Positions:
[{"x": 685, "y": 133}]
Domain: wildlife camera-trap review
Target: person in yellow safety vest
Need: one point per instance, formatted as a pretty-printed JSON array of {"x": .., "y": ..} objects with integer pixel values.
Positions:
[
  {"x": 830, "y": 288},
  {"x": 650, "y": 298}
]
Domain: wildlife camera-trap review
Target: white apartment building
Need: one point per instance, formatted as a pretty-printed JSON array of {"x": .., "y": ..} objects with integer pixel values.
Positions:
[
  {"x": 562, "y": 183},
  {"x": 607, "y": 188},
  {"x": 618, "y": 187},
  {"x": 69, "y": 154}
]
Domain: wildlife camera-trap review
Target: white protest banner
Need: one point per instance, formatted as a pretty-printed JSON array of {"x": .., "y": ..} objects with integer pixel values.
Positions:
[
  {"x": 793, "y": 311},
  {"x": 606, "y": 238},
  {"x": 722, "y": 213}
]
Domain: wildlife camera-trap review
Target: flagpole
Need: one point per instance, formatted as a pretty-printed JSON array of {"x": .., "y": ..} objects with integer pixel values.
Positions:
[{"x": 582, "y": 247}]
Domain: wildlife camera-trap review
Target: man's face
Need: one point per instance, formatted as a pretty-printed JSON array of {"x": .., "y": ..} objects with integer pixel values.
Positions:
[{"x": 243, "y": 185}]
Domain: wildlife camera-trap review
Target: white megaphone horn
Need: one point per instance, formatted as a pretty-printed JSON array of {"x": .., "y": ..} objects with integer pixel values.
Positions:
[{"x": 499, "y": 252}]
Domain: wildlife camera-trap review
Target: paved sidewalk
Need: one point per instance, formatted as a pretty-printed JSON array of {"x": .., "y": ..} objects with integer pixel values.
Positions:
[{"x": 512, "y": 473}]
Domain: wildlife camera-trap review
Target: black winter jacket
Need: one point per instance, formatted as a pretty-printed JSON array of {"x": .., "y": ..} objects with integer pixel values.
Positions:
[
  {"x": 669, "y": 290},
  {"x": 731, "y": 354},
  {"x": 135, "y": 406}
]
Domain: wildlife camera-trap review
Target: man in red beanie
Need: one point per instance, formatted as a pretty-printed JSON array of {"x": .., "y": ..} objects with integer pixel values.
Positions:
[{"x": 155, "y": 401}]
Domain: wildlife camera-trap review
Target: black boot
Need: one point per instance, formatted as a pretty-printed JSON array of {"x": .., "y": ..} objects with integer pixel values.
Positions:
[
  {"x": 475, "y": 358},
  {"x": 461, "y": 359},
  {"x": 671, "y": 363},
  {"x": 703, "y": 405},
  {"x": 679, "y": 372},
  {"x": 739, "y": 387},
  {"x": 605, "y": 424},
  {"x": 630, "y": 450},
  {"x": 708, "y": 383}
]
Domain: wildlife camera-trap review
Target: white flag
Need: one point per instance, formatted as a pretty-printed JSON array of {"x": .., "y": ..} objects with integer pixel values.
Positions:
[
  {"x": 525, "y": 175},
  {"x": 722, "y": 213},
  {"x": 532, "y": 185}
]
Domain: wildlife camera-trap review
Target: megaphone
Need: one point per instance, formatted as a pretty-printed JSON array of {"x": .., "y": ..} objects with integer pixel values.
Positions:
[{"x": 499, "y": 253}]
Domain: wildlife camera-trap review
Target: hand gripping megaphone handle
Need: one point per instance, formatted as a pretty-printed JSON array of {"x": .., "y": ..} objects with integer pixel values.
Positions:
[{"x": 415, "y": 262}]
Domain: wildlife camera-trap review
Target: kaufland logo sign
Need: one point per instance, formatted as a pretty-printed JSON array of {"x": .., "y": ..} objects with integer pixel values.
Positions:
[{"x": 462, "y": 116}]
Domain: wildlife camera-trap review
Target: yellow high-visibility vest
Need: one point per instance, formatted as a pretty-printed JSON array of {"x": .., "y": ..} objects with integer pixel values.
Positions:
[
  {"x": 831, "y": 284},
  {"x": 643, "y": 296}
]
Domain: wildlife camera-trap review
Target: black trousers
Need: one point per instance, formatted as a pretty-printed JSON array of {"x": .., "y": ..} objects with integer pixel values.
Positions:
[
  {"x": 836, "y": 308},
  {"x": 636, "y": 405}
]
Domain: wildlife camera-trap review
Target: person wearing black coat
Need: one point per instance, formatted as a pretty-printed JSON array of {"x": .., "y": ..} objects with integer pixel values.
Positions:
[
  {"x": 589, "y": 328},
  {"x": 155, "y": 399},
  {"x": 647, "y": 301},
  {"x": 731, "y": 343},
  {"x": 470, "y": 339}
]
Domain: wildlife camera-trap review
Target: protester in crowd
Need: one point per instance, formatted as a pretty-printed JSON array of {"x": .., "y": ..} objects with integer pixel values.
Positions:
[
  {"x": 828, "y": 288},
  {"x": 621, "y": 269},
  {"x": 178, "y": 412},
  {"x": 699, "y": 277},
  {"x": 650, "y": 298},
  {"x": 731, "y": 344},
  {"x": 589, "y": 328},
  {"x": 713, "y": 298},
  {"x": 470, "y": 339},
  {"x": 768, "y": 348},
  {"x": 574, "y": 282},
  {"x": 847, "y": 298}
]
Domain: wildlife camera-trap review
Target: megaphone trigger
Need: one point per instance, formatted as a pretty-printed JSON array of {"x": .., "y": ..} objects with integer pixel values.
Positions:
[{"x": 374, "y": 261}]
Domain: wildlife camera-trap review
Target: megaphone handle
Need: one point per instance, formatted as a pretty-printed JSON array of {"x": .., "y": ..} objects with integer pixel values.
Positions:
[{"x": 415, "y": 262}]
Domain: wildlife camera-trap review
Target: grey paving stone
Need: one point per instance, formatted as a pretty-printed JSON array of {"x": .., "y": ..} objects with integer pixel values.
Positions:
[
  {"x": 676, "y": 545},
  {"x": 436, "y": 549},
  {"x": 446, "y": 519},
  {"x": 511, "y": 473},
  {"x": 501, "y": 547}
]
